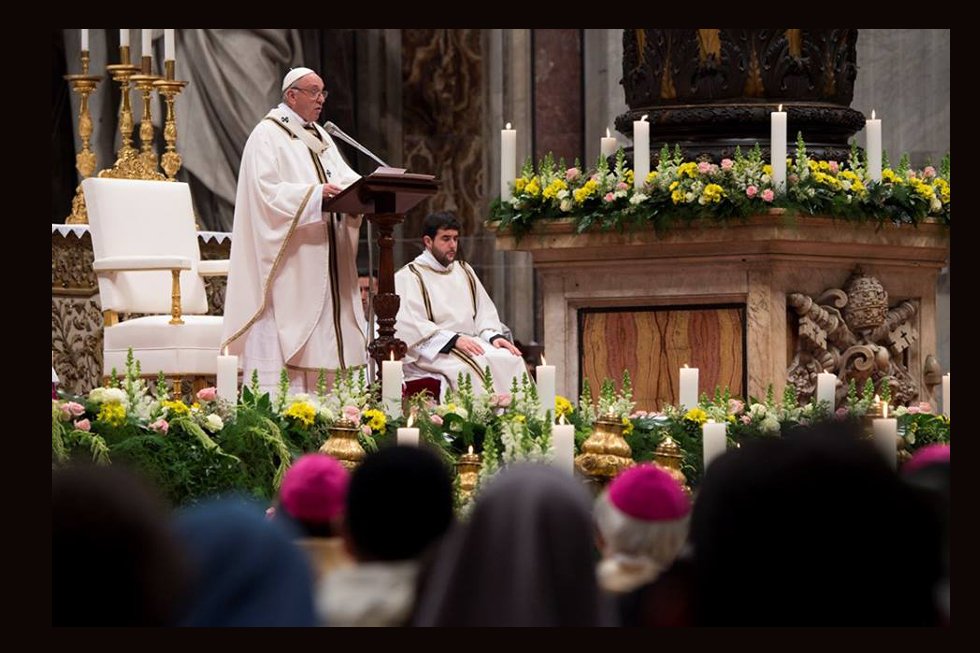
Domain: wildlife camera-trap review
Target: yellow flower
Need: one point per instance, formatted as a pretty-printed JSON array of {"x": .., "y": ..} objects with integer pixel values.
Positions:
[
  {"x": 922, "y": 189},
  {"x": 889, "y": 175},
  {"x": 942, "y": 188},
  {"x": 562, "y": 406},
  {"x": 302, "y": 411},
  {"x": 690, "y": 169},
  {"x": 673, "y": 185},
  {"x": 627, "y": 426},
  {"x": 176, "y": 407},
  {"x": 113, "y": 414},
  {"x": 519, "y": 418},
  {"x": 533, "y": 188},
  {"x": 552, "y": 189},
  {"x": 586, "y": 191},
  {"x": 767, "y": 170},
  {"x": 519, "y": 184},
  {"x": 651, "y": 176},
  {"x": 713, "y": 193},
  {"x": 696, "y": 415},
  {"x": 376, "y": 420},
  {"x": 826, "y": 180},
  {"x": 677, "y": 196},
  {"x": 629, "y": 177}
]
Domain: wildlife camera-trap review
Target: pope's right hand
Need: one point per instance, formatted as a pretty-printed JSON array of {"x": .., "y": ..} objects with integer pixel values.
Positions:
[{"x": 469, "y": 345}]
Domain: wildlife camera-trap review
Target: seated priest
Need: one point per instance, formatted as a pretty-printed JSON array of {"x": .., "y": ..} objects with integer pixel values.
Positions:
[{"x": 446, "y": 317}]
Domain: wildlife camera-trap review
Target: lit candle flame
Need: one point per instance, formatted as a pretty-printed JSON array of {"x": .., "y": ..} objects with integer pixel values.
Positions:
[
  {"x": 225, "y": 352},
  {"x": 780, "y": 108},
  {"x": 411, "y": 420},
  {"x": 884, "y": 411},
  {"x": 543, "y": 361},
  {"x": 872, "y": 114},
  {"x": 607, "y": 132},
  {"x": 877, "y": 399},
  {"x": 644, "y": 118},
  {"x": 710, "y": 421},
  {"x": 561, "y": 419},
  {"x": 471, "y": 449},
  {"x": 685, "y": 365},
  {"x": 508, "y": 126},
  {"x": 391, "y": 355}
]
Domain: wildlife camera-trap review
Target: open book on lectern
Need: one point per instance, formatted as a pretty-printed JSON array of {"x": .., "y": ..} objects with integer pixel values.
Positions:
[{"x": 386, "y": 190}]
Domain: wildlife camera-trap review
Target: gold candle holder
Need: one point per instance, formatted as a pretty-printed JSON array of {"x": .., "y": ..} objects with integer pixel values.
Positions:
[
  {"x": 468, "y": 470},
  {"x": 605, "y": 453},
  {"x": 83, "y": 84},
  {"x": 144, "y": 83},
  {"x": 668, "y": 456},
  {"x": 122, "y": 72},
  {"x": 170, "y": 88}
]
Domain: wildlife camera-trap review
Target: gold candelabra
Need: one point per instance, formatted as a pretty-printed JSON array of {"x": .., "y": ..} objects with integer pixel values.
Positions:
[
  {"x": 144, "y": 83},
  {"x": 83, "y": 84},
  {"x": 468, "y": 470},
  {"x": 122, "y": 72},
  {"x": 170, "y": 88}
]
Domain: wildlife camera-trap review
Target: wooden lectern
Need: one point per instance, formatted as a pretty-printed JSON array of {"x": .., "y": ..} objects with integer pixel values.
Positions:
[{"x": 384, "y": 197}]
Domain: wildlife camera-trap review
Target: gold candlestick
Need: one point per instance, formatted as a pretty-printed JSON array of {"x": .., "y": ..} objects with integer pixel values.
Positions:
[
  {"x": 668, "y": 456},
  {"x": 144, "y": 83},
  {"x": 83, "y": 84},
  {"x": 122, "y": 72},
  {"x": 170, "y": 88},
  {"x": 468, "y": 470}
]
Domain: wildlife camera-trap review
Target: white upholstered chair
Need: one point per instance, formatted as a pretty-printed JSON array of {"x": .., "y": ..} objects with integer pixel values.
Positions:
[{"x": 144, "y": 240}]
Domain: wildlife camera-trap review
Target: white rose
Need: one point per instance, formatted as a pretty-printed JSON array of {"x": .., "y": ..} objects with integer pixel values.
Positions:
[{"x": 213, "y": 423}]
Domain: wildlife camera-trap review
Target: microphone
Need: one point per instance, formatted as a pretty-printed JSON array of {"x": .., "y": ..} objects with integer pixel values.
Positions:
[{"x": 334, "y": 130}]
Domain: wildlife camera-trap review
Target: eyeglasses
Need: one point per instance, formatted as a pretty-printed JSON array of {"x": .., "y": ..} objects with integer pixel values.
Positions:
[{"x": 313, "y": 94}]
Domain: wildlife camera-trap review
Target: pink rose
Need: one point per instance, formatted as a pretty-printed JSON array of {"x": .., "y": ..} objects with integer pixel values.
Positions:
[
  {"x": 72, "y": 409},
  {"x": 571, "y": 173},
  {"x": 793, "y": 178},
  {"x": 609, "y": 197},
  {"x": 841, "y": 413},
  {"x": 435, "y": 419},
  {"x": 727, "y": 164},
  {"x": 352, "y": 414},
  {"x": 925, "y": 407},
  {"x": 746, "y": 419},
  {"x": 622, "y": 186},
  {"x": 207, "y": 394},
  {"x": 768, "y": 195},
  {"x": 365, "y": 429},
  {"x": 928, "y": 172},
  {"x": 735, "y": 406},
  {"x": 751, "y": 191},
  {"x": 834, "y": 166},
  {"x": 160, "y": 426},
  {"x": 83, "y": 425},
  {"x": 704, "y": 167}
]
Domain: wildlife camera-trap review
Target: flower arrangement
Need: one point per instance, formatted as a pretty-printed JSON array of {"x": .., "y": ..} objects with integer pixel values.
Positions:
[
  {"x": 212, "y": 446},
  {"x": 686, "y": 191}
]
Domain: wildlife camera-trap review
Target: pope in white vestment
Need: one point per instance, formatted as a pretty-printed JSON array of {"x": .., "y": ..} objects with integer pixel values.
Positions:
[
  {"x": 292, "y": 299},
  {"x": 448, "y": 320}
]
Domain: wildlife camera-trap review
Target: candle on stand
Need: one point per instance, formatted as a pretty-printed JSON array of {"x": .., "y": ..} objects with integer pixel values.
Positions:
[
  {"x": 946, "y": 395},
  {"x": 228, "y": 377},
  {"x": 563, "y": 440},
  {"x": 169, "y": 50},
  {"x": 689, "y": 387},
  {"x": 545, "y": 378},
  {"x": 608, "y": 145},
  {"x": 146, "y": 42},
  {"x": 124, "y": 38},
  {"x": 827, "y": 389},
  {"x": 641, "y": 151},
  {"x": 391, "y": 386},
  {"x": 508, "y": 161},
  {"x": 777, "y": 148},
  {"x": 84, "y": 40},
  {"x": 408, "y": 436},
  {"x": 712, "y": 440},
  {"x": 873, "y": 146},
  {"x": 885, "y": 432}
]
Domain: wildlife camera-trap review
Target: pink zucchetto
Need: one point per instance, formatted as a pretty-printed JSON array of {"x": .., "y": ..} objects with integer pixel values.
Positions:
[
  {"x": 649, "y": 493},
  {"x": 314, "y": 488},
  {"x": 293, "y": 75},
  {"x": 928, "y": 455}
]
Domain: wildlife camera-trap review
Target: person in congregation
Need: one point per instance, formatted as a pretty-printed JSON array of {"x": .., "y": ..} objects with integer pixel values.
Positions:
[
  {"x": 312, "y": 496},
  {"x": 447, "y": 318},
  {"x": 399, "y": 505},
  {"x": 292, "y": 295}
]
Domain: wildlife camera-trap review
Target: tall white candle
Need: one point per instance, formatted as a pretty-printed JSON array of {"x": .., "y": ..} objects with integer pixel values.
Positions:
[
  {"x": 826, "y": 389},
  {"x": 946, "y": 395},
  {"x": 641, "y": 151},
  {"x": 545, "y": 378},
  {"x": 228, "y": 377},
  {"x": 407, "y": 436},
  {"x": 777, "y": 147},
  {"x": 508, "y": 161},
  {"x": 124, "y": 38},
  {"x": 873, "y": 146},
  {"x": 689, "y": 387},
  {"x": 607, "y": 145},
  {"x": 563, "y": 439},
  {"x": 146, "y": 42},
  {"x": 169, "y": 49},
  {"x": 391, "y": 386},
  {"x": 886, "y": 438},
  {"x": 713, "y": 440},
  {"x": 84, "y": 40}
]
